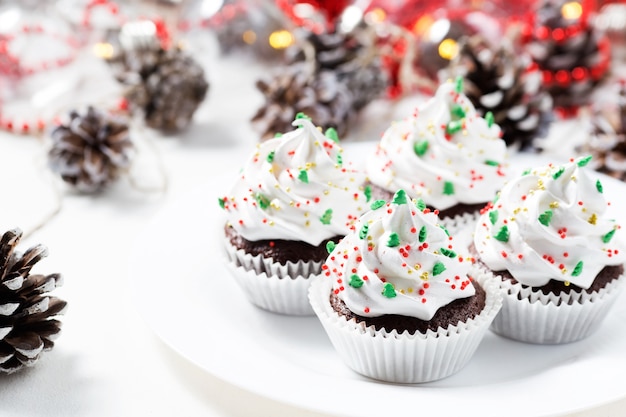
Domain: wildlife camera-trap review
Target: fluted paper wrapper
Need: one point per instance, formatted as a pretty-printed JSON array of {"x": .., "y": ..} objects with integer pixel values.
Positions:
[
  {"x": 402, "y": 357},
  {"x": 460, "y": 221},
  {"x": 271, "y": 286},
  {"x": 533, "y": 317}
]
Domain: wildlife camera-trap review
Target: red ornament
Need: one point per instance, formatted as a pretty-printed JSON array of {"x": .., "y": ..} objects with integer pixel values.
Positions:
[{"x": 330, "y": 9}]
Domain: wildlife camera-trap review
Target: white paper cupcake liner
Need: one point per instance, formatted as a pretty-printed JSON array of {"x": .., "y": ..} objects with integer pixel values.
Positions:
[
  {"x": 271, "y": 286},
  {"x": 533, "y": 317},
  {"x": 460, "y": 221},
  {"x": 402, "y": 357}
]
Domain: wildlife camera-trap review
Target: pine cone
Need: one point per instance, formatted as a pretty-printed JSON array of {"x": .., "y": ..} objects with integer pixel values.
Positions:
[
  {"x": 572, "y": 55},
  {"x": 322, "y": 97},
  {"x": 498, "y": 81},
  {"x": 27, "y": 311},
  {"x": 352, "y": 57},
  {"x": 607, "y": 142},
  {"x": 166, "y": 85},
  {"x": 91, "y": 150}
]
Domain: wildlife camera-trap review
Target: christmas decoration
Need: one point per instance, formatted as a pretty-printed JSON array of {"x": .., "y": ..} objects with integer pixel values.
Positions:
[
  {"x": 572, "y": 55},
  {"x": 255, "y": 27},
  {"x": 352, "y": 56},
  {"x": 298, "y": 89},
  {"x": 166, "y": 86},
  {"x": 607, "y": 142},
  {"x": 331, "y": 10},
  {"x": 28, "y": 313},
  {"x": 91, "y": 150},
  {"x": 498, "y": 80}
]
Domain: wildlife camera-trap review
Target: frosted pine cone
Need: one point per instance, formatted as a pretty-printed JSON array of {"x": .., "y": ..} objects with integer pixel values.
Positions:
[
  {"x": 352, "y": 57},
  {"x": 28, "y": 324},
  {"x": 572, "y": 54},
  {"x": 91, "y": 150},
  {"x": 321, "y": 96},
  {"x": 165, "y": 85},
  {"x": 498, "y": 80}
]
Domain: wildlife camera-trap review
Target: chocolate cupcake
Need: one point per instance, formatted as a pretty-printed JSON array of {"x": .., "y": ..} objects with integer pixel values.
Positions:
[
  {"x": 445, "y": 154},
  {"x": 554, "y": 251},
  {"x": 397, "y": 300},
  {"x": 293, "y": 196}
]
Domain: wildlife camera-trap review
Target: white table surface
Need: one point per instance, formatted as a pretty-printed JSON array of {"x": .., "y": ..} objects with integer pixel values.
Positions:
[{"x": 107, "y": 361}]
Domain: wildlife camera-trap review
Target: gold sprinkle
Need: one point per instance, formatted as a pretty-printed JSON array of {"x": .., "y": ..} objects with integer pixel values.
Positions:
[
  {"x": 593, "y": 219},
  {"x": 563, "y": 271},
  {"x": 516, "y": 211},
  {"x": 584, "y": 210},
  {"x": 410, "y": 289},
  {"x": 291, "y": 203},
  {"x": 288, "y": 189},
  {"x": 409, "y": 271},
  {"x": 573, "y": 178},
  {"x": 316, "y": 143},
  {"x": 271, "y": 170},
  {"x": 566, "y": 283},
  {"x": 271, "y": 223},
  {"x": 401, "y": 291},
  {"x": 307, "y": 223},
  {"x": 306, "y": 214},
  {"x": 326, "y": 192},
  {"x": 554, "y": 204},
  {"x": 417, "y": 267},
  {"x": 424, "y": 276}
]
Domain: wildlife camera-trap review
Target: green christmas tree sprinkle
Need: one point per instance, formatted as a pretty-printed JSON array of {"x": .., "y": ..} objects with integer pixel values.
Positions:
[
  {"x": 490, "y": 119},
  {"x": 584, "y": 161},
  {"x": 330, "y": 246},
  {"x": 578, "y": 269},
  {"x": 422, "y": 234},
  {"x": 491, "y": 163},
  {"x": 368, "y": 193},
  {"x": 448, "y": 188},
  {"x": 420, "y": 148},
  {"x": 301, "y": 115},
  {"x": 378, "y": 204},
  {"x": 526, "y": 172},
  {"x": 599, "y": 187},
  {"x": 454, "y": 126},
  {"x": 327, "y": 216},
  {"x": 394, "y": 240},
  {"x": 221, "y": 202},
  {"x": 558, "y": 172},
  {"x": 339, "y": 159},
  {"x": 363, "y": 231},
  {"x": 399, "y": 197},
  {"x": 493, "y": 216},
  {"x": 278, "y": 135},
  {"x": 458, "y": 84},
  {"x": 270, "y": 157},
  {"x": 438, "y": 268},
  {"x": 607, "y": 238},
  {"x": 331, "y": 134},
  {"x": 303, "y": 176},
  {"x": 420, "y": 204},
  {"x": 388, "y": 290},
  {"x": 503, "y": 234},
  {"x": 355, "y": 281},
  {"x": 457, "y": 111},
  {"x": 262, "y": 200},
  {"x": 545, "y": 217},
  {"x": 448, "y": 252},
  {"x": 442, "y": 227}
]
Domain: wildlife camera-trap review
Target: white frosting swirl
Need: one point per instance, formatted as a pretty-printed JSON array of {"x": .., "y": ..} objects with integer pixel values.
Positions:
[
  {"x": 550, "y": 224},
  {"x": 296, "y": 187},
  {"x": 445, "y": 153},
  {"x": 399, "y": 260}
]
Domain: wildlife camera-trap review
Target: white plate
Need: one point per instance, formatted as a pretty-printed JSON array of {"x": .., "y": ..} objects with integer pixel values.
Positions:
[{"x": 187, "y": 297}]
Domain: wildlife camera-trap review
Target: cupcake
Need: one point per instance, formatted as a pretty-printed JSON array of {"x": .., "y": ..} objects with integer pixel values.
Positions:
[
  {"x": 445, "y": 154},
  {"x": 293, "y": 196},
  {"x": 555, "y": 253},
  {"x": 396, "y": 299}
]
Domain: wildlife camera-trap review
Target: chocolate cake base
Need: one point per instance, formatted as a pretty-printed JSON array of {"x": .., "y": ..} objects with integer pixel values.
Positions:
[
  {"x": 379, "y": 193},
  {"x": 457, "y": 311},
  {"x": 279, "y": 250},
  {"x": 606, "y": 275}
]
